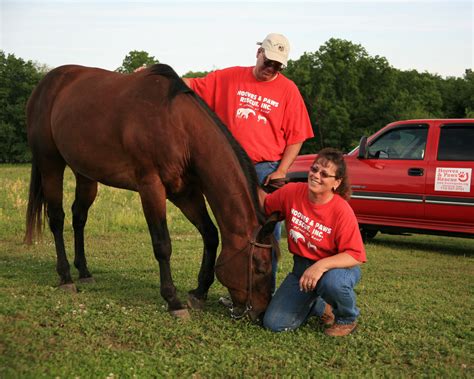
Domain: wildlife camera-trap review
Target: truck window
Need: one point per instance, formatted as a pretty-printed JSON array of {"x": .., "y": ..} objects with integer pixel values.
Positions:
[
  {"x": 407, "y": 142},
  {"x": 456, "y": 143}
]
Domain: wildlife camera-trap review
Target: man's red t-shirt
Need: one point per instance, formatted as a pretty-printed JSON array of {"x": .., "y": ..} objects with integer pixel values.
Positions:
[
  {"x": 316, "y": 231},
  {"x": 264, "y": 117}
]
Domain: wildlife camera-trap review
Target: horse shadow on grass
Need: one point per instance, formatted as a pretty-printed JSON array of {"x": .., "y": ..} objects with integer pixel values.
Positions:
[
  {"x": 427, "y": 244},
  {"x": 127, "y": 286}
]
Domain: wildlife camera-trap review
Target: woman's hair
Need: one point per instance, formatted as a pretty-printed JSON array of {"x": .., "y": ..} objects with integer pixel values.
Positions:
[{"x": 330, "y": 154}]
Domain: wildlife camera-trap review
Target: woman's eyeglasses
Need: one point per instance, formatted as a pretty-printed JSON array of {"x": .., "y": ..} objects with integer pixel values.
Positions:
[{"x": 323, "y": 174}]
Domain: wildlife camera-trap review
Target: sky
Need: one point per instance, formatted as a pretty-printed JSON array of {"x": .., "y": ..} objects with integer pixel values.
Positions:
[{"x": 429, "y": 36}]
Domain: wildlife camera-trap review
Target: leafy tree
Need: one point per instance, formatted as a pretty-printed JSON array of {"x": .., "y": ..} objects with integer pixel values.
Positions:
[
  {"x": 469, "y": 93},
  {"x": 301, "y": 72},
  {"x": 17, "y": 80},
  {"x": 196, "y": 74},
  {"x": 349, "y": 93},
  {"x": 417, "y": 96},
  {"x": 135, "y": 59},
  {"x": 458, "y": 96},
  {"x": 345, "y": 91}
]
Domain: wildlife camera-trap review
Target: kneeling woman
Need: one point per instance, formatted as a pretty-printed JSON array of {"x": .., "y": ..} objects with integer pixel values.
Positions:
[{"x": 324, "y": 238}]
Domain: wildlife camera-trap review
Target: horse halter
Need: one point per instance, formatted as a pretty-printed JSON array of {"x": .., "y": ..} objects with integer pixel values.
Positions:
[{"x": 248, "y": 304}]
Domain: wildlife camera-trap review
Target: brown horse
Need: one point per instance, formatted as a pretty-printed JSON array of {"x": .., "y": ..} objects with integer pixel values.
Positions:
[{"x": 148, "y": 132}]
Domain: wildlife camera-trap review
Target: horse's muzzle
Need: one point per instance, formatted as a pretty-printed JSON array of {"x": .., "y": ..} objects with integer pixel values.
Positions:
[{"x": 238, "y": 313}]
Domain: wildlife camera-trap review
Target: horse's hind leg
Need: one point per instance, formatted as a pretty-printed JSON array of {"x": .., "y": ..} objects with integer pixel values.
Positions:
[
  {"x": 86, "y": 191},
  {"x": 52, "y": 175},
  {"x": 194, "y": 208},
  {"x": 153, "y": 197}
]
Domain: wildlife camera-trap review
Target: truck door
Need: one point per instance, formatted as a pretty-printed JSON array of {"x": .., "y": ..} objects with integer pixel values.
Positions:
[
  {"x": 449, "y": 186},
  {"x": 388, "y": 186}
]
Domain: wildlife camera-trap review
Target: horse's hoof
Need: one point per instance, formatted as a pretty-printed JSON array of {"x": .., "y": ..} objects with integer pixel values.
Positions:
[
  {"x": 87, "y": 280},
  {"x": 68, "y": 287},
  {"x": 182, "y": 314},
  {"x": 195, "y": 303}
]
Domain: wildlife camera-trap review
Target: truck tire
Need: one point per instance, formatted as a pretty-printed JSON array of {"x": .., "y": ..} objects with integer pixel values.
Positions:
[{"x": 367, "y": 234}]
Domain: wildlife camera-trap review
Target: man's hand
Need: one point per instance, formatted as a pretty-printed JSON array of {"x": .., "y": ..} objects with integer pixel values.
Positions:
[
  {"x": 289, "y": 155},
  {"x": 274, "y": 175},
  {"x": 274, "y": 184},
  {"x": 141, "y": 68}
]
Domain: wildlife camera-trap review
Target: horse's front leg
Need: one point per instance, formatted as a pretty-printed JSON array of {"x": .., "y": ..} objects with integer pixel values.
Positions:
[
  {"x": 153, "y": 198},
  {"x": 194, "y": 208}
]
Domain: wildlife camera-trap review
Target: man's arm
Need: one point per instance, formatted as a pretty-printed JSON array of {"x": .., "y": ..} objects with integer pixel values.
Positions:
[
  {"x": 186, "y": 81},
  {"x": 289, "y": 155}
]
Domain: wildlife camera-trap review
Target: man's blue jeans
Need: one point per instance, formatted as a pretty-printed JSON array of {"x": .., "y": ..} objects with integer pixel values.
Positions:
[
  {"x": 264, "y": 169},
  {"x": 290, "y": 307}
]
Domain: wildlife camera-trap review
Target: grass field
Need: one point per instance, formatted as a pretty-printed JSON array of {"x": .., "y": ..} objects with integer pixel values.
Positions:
[{"x": 416, "y": 301}]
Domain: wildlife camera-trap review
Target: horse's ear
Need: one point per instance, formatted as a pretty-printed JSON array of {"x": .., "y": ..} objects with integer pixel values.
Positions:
[{"x": 269, "y": 225}]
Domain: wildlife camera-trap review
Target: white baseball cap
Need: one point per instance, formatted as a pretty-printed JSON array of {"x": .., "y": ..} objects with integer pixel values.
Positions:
[{"x": 277, "y": 47}]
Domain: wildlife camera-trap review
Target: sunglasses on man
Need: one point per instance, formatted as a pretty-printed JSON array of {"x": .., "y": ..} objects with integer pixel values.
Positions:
[{"x": 277, "y": 66}]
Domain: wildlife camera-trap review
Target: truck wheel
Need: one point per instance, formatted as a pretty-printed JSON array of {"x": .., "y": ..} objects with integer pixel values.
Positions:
[{"x": 367, "y": 234}]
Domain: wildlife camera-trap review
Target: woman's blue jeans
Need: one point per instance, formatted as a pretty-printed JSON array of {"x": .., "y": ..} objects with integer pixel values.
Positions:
[
  {"x": 290, "y": 307},
  {"x": 264, "y": 169}
]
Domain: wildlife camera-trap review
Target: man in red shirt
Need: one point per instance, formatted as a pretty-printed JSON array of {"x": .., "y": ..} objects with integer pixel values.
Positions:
[{"x": 262, "y": 108}]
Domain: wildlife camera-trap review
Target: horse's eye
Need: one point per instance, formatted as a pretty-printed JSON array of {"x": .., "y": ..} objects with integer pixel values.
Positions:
[{"x": 261, "y": 266}]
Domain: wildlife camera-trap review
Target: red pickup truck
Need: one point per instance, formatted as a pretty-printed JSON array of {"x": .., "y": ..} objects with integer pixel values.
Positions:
[{"x": 411, "y": 176}]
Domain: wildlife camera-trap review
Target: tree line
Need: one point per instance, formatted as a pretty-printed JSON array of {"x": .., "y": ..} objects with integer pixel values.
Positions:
[{"x": 347, "y": 92}]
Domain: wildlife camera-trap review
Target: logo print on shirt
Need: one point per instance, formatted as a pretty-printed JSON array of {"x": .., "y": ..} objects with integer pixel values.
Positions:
[
  {"x": 245, "y": 112},
  {"x": 256, "y": 102},
  {"x": 311, "y": 246},
  {"x": 296, "y": 236},
  {"x": 262, "y": 118}
]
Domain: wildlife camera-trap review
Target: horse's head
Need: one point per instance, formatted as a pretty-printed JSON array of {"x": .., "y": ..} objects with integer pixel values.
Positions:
[{"x": 247, "y": 273}]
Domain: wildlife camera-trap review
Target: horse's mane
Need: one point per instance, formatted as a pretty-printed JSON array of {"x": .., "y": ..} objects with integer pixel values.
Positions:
[{"x": 178, "y": 86}]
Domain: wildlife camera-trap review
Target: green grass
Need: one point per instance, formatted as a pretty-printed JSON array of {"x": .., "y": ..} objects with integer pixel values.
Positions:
[{"x": 416, "y": 301}]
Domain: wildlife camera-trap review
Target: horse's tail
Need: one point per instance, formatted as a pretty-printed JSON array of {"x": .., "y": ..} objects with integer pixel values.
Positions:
[{"x": 36, "y": 206}]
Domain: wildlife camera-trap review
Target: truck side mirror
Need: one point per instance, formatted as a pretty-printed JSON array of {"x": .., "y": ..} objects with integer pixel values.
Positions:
[{"x": 363, "y": 148}]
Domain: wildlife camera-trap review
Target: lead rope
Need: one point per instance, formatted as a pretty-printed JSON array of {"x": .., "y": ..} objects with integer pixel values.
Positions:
[
  {"x": 250, "y": 275},
  {"x": 248, "y": 305}
]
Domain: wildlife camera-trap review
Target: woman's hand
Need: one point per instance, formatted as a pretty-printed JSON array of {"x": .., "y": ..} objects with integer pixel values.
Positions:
[
  {"x": 311, "y": 276},
  {"x": 313, "y": 273}
]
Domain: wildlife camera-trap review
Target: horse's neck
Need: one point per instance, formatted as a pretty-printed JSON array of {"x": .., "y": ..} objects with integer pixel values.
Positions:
[
  {"x": 232, "y": 205},
  {"x": 223, "y": 181}
]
